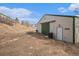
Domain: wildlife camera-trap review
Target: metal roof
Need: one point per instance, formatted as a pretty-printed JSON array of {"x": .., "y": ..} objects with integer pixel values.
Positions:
[{"x": 56, "y": 15}]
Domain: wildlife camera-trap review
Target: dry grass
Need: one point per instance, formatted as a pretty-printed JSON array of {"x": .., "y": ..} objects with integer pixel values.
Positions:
[
  {"x": 4, "y": 28},
  {"x": 35, "y": 44},
  {"x": 30, "y": 43}
]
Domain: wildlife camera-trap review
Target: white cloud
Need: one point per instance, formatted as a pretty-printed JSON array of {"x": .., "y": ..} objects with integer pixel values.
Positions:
[
  {"x": 21, "y": 13},
  {"x": 15, "y": 12},
  {"x": 74, "y": 6},
  {"x": 62, "y": 9}
]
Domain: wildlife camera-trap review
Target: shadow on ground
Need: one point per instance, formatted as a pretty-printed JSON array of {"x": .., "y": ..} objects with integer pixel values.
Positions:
[{"x": 38, "y": 35}]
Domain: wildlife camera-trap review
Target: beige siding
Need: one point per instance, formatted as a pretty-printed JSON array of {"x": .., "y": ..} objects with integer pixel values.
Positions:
[
  {"x": 46, "y": 19},
  {"x": 65, "y": 22},
  {"x": 39, "y": 27},
  {"x": 77, "y": 30}
]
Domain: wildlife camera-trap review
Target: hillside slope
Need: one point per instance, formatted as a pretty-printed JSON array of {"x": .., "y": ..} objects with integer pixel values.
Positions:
[
  {"x": 4, "y": 28},
  {"x": 18, "y": 28}
]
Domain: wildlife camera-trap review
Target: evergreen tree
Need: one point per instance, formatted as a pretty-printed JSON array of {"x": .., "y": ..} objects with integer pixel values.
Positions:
[{"x": 17, "y": 20}]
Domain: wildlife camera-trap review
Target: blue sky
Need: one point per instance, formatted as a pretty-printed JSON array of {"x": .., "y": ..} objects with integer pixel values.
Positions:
[{"x": 32, "y": 12}]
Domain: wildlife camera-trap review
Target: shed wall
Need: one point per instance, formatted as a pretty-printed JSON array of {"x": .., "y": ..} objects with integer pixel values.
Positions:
[
  {"x": 39, "y": 27},
  {"x": 76, "y": 30},
  {"x": 65, "y": 22}
]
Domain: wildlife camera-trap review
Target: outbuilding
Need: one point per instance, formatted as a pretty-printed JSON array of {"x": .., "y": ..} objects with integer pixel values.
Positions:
[{"x": 63, "y": 27}]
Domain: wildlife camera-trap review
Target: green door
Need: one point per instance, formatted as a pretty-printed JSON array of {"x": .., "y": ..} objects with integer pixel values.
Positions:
[{"x": 45, "y": 28}]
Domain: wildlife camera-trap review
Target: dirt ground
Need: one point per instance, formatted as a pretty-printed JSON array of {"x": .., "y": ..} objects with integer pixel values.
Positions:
[{"x": 34, "y": 44}]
